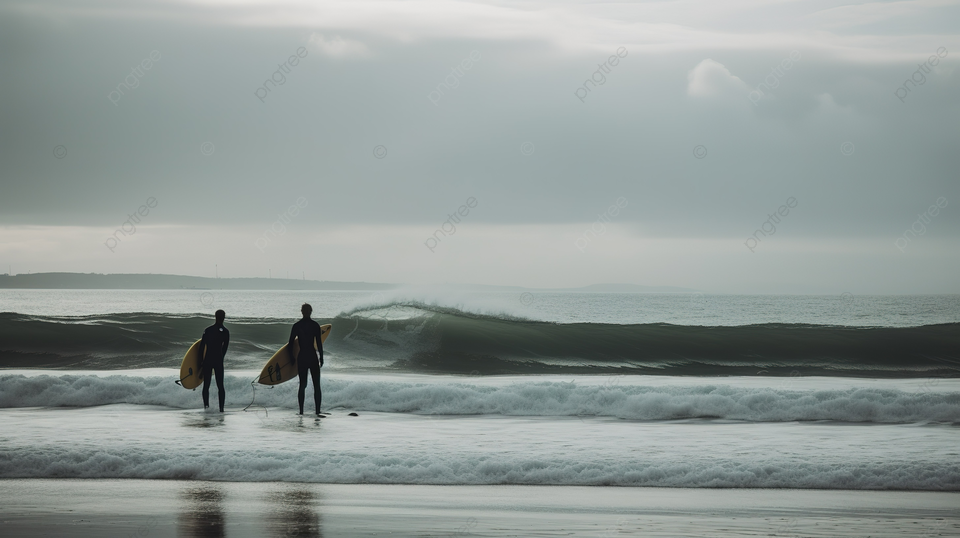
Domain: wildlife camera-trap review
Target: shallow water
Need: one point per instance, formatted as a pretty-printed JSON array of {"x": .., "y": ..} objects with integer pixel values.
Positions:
[{"x": 504, "y": 431}]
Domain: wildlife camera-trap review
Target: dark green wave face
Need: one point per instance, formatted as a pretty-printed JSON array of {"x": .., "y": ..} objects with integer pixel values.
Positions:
[
  {"x": 118, "y": 341},
  {"x": 445, "y": 340}
]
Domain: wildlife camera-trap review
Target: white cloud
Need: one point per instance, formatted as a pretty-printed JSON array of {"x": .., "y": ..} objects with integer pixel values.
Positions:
[
  {"x": 579, "y": 26},
  {"x": 711, "y": 78},
  {"x": 337, "y": 46}
]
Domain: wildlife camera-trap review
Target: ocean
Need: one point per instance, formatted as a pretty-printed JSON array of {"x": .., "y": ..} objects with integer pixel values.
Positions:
[{"x": 492, "y": 388}]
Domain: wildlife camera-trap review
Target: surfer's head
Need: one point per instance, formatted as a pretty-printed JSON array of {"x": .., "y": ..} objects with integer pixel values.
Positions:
[
  {"x": 220, "y": 314},
  {"x": 306, "y": 310}
]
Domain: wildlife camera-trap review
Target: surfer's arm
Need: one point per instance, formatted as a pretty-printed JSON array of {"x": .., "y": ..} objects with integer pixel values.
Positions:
[
  {"x": 318, "y": 342},
  {"x": 203, "y": 345},
  {"x": 226, "y": 342},
  {"x": 293, "y": 336}
]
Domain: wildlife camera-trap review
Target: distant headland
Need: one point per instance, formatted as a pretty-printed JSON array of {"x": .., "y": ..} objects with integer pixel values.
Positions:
[{"x": 96, "y": 281}]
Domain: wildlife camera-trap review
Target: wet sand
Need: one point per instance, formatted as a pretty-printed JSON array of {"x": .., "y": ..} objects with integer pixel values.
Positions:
[{"x": 161, "y": 508}]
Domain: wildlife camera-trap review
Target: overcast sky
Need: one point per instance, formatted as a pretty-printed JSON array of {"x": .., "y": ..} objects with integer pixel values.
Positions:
[{"x": 378, "y": 162}]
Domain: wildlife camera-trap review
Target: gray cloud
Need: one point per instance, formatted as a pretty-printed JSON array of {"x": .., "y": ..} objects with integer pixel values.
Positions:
[{"x": 365, "y": 83}]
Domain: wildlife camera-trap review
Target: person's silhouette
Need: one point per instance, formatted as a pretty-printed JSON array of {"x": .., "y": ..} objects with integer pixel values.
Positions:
[
  {"x": 307, "y": 331},
  {"x": 215, "y": 340}
]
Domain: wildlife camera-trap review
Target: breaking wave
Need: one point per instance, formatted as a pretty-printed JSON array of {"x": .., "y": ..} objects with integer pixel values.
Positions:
[
  {"x": 423, "y": 338},
  {"x": 528, "y": 398}
]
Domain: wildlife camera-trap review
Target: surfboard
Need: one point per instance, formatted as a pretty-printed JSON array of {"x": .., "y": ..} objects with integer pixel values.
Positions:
[
  {"x": 190, "y": 368},
  {"x": 279, "y": 369}
]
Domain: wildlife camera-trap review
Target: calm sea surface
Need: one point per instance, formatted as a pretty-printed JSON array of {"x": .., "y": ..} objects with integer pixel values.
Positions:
[{"x": 679, "y": 309}]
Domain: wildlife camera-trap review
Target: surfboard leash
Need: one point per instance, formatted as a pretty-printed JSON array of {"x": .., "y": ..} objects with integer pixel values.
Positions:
[
  {"x": 253, "y": 385},
  {"x": 189, "y": 373}
]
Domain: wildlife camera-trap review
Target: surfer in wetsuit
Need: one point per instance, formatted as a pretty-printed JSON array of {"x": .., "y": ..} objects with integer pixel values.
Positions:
[
  {"x": 307, "y": 331},
  {"x": 215, "y": 340}
]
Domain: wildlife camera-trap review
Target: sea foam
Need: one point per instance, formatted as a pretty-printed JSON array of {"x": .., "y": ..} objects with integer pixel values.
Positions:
[
  {"x": 358, "y": 467},
  {"x": 523, "y": 398}
]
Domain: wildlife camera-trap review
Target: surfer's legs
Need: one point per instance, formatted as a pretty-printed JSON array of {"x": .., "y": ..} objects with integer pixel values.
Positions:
[
  {"x": 315, "y": 375},
  {"x": 305, "y": 366},
  {"x": 303, "y": 387},
  {"x": 221, "y": 391},
  {"x": 209, "y": 371},
  {"x": 206, "y": 385}
]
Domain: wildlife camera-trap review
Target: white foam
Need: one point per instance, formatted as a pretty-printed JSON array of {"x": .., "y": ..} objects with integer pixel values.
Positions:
[
  {"x": 345, "y": 468},
  {"x": 414, "y": 301},
  {"x": 513, "y": 398},
  {"x": 127, "y": 441}
]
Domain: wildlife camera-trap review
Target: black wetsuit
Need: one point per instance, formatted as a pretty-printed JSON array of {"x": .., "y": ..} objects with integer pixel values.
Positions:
[
  {"x": 307, "y": 331},
  {"x": 215, "y": 340}
]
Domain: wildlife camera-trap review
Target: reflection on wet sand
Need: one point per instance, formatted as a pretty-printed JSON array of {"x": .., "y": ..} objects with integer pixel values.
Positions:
[
  {"x": 309, "y": 423},
  {"x": 293, "y": 514},
  {"x": 202, "y": 515},
  {"x": 193, "y": 420}
]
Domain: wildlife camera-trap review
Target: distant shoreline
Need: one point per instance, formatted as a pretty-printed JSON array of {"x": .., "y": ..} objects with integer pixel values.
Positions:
[{"x": 95, "y": 281}]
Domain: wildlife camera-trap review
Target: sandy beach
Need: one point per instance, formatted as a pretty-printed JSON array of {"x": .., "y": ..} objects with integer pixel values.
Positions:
[{"x": 126, "y": 508}]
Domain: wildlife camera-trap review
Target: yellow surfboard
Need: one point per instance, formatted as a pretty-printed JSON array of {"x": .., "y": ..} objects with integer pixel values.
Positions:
[
  {"x": 190, "y": 376},
  {"x": 278, "y": 369}
]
